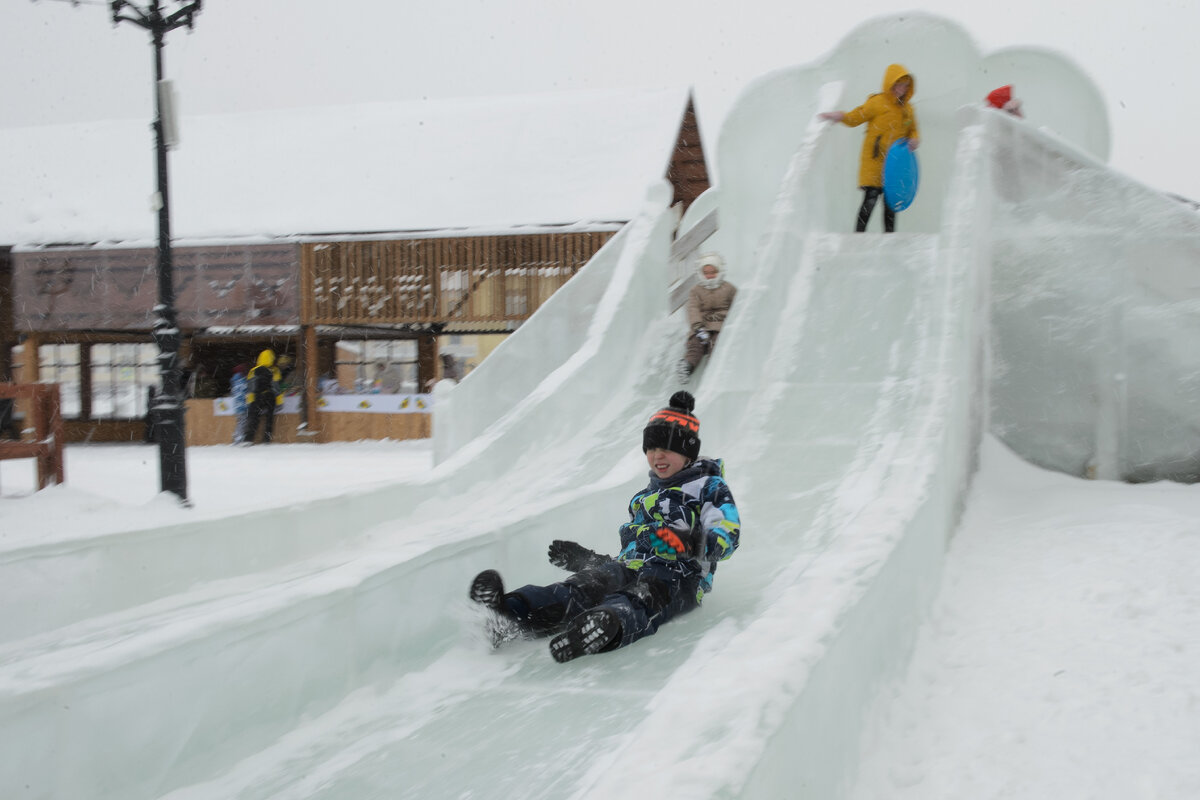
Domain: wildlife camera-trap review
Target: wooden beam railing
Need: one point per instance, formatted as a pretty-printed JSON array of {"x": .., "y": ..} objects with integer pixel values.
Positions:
[
  {"x": 45, "y": 414},
  {"x": 683, "y": 277}
]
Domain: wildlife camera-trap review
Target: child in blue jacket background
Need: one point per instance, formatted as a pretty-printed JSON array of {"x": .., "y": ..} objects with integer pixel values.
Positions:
[
  {"x": 680, "y": 526},
  {"x": 238, "y": 387}
]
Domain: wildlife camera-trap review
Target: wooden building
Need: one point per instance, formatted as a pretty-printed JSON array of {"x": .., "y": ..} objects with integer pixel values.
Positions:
[
  {"x": 8, "y": 333},
  {"x": 81, "y": 313}
]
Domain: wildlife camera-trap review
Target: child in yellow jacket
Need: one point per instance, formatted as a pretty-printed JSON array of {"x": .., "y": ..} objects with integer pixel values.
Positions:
[
  {"x": 263, "y": 397},
  {"x": 889, "y": 116}
]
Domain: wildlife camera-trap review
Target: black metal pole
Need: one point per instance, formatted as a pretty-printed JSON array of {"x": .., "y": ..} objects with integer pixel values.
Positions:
[
  {"x": 172, "y": 464},
  {"x": 166, "y": 413}
]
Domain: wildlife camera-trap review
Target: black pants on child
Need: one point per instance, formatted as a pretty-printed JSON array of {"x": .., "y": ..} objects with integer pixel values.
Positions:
[
  {"x": 262, "y": 408},
  {"x": 643, "y": 599},
  {"x": 870, "y": 195}
]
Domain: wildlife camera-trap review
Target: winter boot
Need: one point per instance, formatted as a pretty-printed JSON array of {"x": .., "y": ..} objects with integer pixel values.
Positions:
[
  {"x": 501, "y": 626},
  {"x": 487, "y": 589},
  {"x": 590, "y": 632}
]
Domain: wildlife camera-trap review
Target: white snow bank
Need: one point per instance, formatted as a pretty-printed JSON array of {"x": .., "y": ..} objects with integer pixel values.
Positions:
[{"x": 1060, "y": 655}]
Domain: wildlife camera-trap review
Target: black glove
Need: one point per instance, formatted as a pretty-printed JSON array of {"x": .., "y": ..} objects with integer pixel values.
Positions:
[{"x": 573, "y": 556}]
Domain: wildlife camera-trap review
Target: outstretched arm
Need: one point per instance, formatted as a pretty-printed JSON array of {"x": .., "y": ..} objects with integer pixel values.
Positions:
[{"x": 857, "y": 116}]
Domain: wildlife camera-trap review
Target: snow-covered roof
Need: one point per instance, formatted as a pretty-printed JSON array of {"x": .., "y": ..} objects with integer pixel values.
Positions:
[{"x": 481, "y": 163}]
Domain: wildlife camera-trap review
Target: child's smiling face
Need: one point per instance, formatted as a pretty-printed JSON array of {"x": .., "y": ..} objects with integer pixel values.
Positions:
[{"x": 665, "y": 463}]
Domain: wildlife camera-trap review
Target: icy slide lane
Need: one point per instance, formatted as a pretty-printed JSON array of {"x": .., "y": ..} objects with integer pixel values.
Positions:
[
  {"x": 356, "y": 670},
  {"x": 296, "y": 630},
  {"x": 331, "y": 664},
  {"x": 513, "y": 723}
]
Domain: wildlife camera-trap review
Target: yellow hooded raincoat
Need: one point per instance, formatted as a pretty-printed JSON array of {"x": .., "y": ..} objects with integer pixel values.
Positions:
[
  {"x": 266, "y": 359},
  {"x": 888, "y": 119}
]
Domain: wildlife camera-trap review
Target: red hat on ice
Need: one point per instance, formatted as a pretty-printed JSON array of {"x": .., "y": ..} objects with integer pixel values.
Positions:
[{"x": 997, "y": 98}]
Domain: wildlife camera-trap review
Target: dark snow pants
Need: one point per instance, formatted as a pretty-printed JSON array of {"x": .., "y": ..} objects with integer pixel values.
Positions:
[
  {"x": 642, "y": 599},
  {"x": 263, "y": 408},
  {"x": 870, "y": 195}
]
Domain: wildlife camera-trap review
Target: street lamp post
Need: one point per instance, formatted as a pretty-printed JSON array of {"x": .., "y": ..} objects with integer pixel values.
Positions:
[{"x": 167, "y": 408}]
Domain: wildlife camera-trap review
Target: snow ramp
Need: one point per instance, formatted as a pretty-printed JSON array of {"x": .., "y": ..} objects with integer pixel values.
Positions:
[{"x": 848, "y": 396}]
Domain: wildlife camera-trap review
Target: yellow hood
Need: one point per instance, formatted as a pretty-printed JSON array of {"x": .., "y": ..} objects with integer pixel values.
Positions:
[
  {"x": 895, "y": 72},
  {"x": 266, "y": 359}
]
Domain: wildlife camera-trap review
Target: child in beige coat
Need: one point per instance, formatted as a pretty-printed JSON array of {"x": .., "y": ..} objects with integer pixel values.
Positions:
[{"x": 708, "y": 305}]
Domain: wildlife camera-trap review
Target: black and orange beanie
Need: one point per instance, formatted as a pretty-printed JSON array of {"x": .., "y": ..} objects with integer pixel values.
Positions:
[{"x": 674, "y": 428}]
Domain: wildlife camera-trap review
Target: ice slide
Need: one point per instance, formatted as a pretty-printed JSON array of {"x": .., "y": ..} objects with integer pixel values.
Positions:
[{"x": 327, "y": 651}]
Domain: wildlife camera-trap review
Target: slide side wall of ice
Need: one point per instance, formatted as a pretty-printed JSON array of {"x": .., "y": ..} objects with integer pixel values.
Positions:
[
  {"x": 870, "y": 590},
  {"x": 555, "y": 331},
  {"x": 1095, "y": 292},
  {"x": 494, "y": 502}
]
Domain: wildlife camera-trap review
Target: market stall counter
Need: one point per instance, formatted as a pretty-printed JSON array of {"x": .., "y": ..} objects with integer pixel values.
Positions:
[{"x": 337, "y": 418}]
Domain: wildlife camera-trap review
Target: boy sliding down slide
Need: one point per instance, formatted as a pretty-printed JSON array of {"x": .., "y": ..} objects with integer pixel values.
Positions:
[{"x": 679, "y": 527}]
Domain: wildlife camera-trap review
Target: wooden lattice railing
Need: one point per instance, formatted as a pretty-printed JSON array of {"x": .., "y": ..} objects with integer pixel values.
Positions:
[{"x": 456, "y": 279}]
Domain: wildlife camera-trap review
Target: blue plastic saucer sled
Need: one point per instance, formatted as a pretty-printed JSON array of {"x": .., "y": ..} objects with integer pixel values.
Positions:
[{"x": 901, "y": 175}]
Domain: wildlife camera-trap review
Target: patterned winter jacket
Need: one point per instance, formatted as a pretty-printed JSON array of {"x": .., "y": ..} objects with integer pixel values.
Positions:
[
  {"x": 696, "y": 505},
  {"x": 238, "y": 386}
]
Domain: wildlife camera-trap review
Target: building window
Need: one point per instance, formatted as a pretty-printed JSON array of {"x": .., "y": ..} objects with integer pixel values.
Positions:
[
  {"x": 516, "y": 304},
  {"x": 455, "y": 284},
  {"x": 122, "y": 375},
  {"x": 362, "y": 364},
  {"x": 59, "y": 363}
]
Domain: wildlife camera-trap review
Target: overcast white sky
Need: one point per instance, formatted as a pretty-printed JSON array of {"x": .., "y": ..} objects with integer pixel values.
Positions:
[{"x": 65, "y": 62}]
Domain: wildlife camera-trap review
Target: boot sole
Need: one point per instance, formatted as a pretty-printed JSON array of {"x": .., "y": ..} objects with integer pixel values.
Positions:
[
  {"x": 588, "y": 636},
  {"x": 487, "y": 589}
]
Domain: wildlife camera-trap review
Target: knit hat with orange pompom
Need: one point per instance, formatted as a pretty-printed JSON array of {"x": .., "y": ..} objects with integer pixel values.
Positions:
[{"x": 674, "y": 428}]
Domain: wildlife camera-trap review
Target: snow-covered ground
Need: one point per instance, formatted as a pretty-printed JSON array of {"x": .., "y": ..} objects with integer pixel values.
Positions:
[
  {"x": 1060, "y": 659},
  {"x": 222, "y": 479},
  {"x": 1061, "y": 656},
  {"x": 116, "y": 487}
]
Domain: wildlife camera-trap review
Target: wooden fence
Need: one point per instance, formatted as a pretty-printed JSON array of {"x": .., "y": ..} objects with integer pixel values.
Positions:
[{"x": 45, "y": 414}]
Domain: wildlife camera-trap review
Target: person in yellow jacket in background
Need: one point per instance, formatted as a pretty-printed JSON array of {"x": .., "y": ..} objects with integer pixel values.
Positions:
[
  {"x": 889, "y": 116},
  {"x": 263, "y": 397}
]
